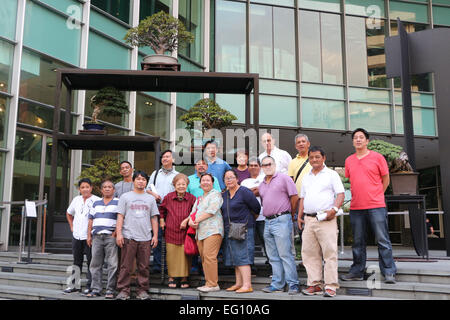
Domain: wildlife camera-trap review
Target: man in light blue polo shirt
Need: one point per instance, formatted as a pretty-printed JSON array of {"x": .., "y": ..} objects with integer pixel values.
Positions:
[
  {"x": 216, "y": 166},
  {"x": 194, "y": 180}
]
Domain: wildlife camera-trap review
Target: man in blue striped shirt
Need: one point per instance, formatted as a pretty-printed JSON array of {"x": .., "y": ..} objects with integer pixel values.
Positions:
[{"x": 102, "y": 238}]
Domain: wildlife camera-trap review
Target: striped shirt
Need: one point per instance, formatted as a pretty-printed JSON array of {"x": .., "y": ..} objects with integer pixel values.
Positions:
[{"x": 104, "y": 216}]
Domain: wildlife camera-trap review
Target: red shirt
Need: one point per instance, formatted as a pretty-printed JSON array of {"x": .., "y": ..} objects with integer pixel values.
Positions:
[
  {"x": 174, "y": 211},
  {"x": 366, "y": 183}
]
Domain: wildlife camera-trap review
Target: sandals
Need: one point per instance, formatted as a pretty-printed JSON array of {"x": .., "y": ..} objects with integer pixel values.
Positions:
[
  {"x": 172, "y": 284},
  {"x": 93, "y": 294},
  {"x": 184, "y": 284},
  {"x": 109, "y": 295}
]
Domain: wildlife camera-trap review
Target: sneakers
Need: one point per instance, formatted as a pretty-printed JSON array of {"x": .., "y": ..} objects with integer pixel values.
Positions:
[
  {"x": 270, "y": 289},
  {"x": 70, "y": 290},
  {"x": 329, "y": 293},
  {"x": 351, "y": 277},
  {"x": 389, "y": 278},
  {"x": 294, "y": 289},
  {"x": 312, "y": 290},
  {"x": 123, "y": 296},
  {"x": 208, "y": 289},
  {"x": 143, "y": 296}
]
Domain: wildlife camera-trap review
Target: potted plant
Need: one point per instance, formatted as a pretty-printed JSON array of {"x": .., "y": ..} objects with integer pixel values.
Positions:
[
  {"x": 108, "y": 101},
  {"x": 162, "y": 33},
  {"x": 104, "y": 168},
  {"x": 403, "y": 178}
]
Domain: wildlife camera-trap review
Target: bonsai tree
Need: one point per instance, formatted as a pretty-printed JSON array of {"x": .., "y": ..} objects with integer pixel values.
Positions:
[
  {"x": 210, "y": 114},
  {"x": 161, "y": 32},
  {"x": 108, "y": 101},
  {"x": 396, "y": 158},
  {"x": 104, "y": 168}
]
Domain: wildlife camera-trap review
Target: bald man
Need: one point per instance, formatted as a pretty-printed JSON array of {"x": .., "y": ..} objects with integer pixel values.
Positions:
[{"x": 282, "y": 157}]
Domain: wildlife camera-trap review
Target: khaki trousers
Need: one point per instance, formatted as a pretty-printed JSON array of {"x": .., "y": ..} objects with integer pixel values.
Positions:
[
  {"x": 319, "y": 245},
  {"x": 209, "y": 249}
]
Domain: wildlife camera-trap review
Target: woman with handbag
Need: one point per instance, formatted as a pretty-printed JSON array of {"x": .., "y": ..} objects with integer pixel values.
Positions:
[
  {"x": 174, "y": 216},
  {"x": 209, "y": 225},
  {"x": 239, "y": 207}
]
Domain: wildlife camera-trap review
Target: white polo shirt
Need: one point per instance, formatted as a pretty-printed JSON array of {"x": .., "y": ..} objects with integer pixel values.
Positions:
[
  {"x": 319, "y": 190},
  {"x": 282, "y": 159},
  {"x": 252, "y": 183},
  {"x": 80, "y": 211},
  {"x": 163, "y": 183}
]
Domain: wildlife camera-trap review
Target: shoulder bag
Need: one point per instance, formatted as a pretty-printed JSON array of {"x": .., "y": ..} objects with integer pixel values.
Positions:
[{"x": 237, "y": 231}]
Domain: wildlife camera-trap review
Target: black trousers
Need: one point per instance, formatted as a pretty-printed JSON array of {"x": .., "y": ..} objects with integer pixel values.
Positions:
[{"x": 79, "y": 249}]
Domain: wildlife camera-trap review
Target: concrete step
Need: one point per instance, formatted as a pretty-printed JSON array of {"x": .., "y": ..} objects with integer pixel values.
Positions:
[
  {"x": 35, "y": 281},
  {"x": 26, "y": 293}
]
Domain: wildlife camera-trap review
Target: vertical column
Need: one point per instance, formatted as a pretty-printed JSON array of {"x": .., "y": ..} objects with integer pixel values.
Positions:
[
  {"x": 206, "y": 38},
  {"x": 298, "y": 62},
  {"x": 391, "y": 81},
  {"x": 11, "y": 134},
  {"x": 344, "y": 64},
  {"x": 173, "y": 95},
  {"x": 134, "y": 66}
]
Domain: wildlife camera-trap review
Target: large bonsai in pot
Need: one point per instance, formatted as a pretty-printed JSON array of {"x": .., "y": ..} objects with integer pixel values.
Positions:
[
  {"x": 110, "y": 102},
  {"x": 403, "y": 177},
  {"x": 162, "y": 33}
]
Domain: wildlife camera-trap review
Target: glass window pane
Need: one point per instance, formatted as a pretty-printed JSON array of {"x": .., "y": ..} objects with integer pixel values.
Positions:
[
  {"x": 38, "y": 116},
  {"x": 288, "y": 3},
  {"x": 323, "y": 114},
  {"x": 408, "y": 11},
  {"x": 107, "y": 26},
  {"x": 149, "y": 7},
  {"x": 441, "y": 15},
  {"x": 234, "y": 103},
  {"x": 376, "y": 58},
  {"x": 38, "y": 79},
  {"x": 121, "y": 120},
  {"x": 322, "y": 5},
  {"x": 446, "y": 2},
  {"x": 310, "y": 57},
  {"x": 356, "y": 51},
  {"x": 278, "y": 111},
  {"x": 417, "y": 99},
  {"x": 373, "y": 8},
  {"x": 362, "y": 115},
  {"x": 2, "y": 168},
  {"x": 322, "y": 91},
  {"x": 48, "y": 37},
  {"x": 8, "y": 14},
  {"x": 284, "y": 43},
  {"x": 261, "y": 40},
  {"x": 369, "y": 95},
  {"x": 152, "y": 116},
  {"x": 230, "y": 36},
  {"x": 6, "y": 57},
  {"x": 71, "y": 7},
  {"x": 105, "y": 54},
  {"x": 419, "y": 82},
  {"x": 191, "y": 14},
  {"x": 423, "y": 121},
  {"x": 278, "y": 87},
  {"x": 4, "y": 103},
  {"x": 117, "y": 8},
  {"x": 331, "y": 48}
]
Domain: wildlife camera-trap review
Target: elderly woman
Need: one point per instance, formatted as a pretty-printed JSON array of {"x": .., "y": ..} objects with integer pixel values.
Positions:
[
  {"x": 239, "y": 206},
  {"x": 174, "y": 216},
  {"x": 209, "y": 225}
]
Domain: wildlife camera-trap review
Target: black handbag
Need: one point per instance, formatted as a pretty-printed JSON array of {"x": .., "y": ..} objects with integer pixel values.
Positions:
[{"x": 237, "y": 230}]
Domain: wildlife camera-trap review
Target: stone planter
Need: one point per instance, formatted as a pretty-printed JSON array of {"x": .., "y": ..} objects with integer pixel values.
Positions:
[
  {"x": 160, "y": 59},
  {"x": 404, "y": 183}
]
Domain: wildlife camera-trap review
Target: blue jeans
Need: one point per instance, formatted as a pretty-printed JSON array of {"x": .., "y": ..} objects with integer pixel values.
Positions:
[
  {"x": 156, "y": 266},
  {"x": 377, "y": 218},
  {"x": 277, "y": 237}
]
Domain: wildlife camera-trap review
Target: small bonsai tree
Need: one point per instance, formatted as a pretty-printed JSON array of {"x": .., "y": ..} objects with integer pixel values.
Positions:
[
  {"x": 396, "y": 159},
  {"x": 104, "y": 168},
  {"x": 211, "y": 115},
  {"x": 161, "y": 32},
  {"x": 108, "y": 101}
]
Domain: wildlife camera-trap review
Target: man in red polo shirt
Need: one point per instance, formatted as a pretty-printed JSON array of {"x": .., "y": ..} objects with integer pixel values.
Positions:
[{"x": 369, "y": 178}]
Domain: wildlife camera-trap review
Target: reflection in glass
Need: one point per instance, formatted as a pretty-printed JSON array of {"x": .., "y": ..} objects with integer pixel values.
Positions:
[
  {"x": 230, "y": 36},
  {"x": 152, "y": 116},
  {"x": 408, "y": 11},
  {"x": 423, "y": 121},
  {"x": 3, "y": 120},
  {"x": 149, "y": 7},
  {"x": 118, "y": 120},
  {"x": 330, "y": 26},
  {"x": 324, "y": 114},
  {"x": 117, "y": 8},
  {"x": 278, "y": 111},
  {"x": 145, "y": 161},
  {"x": 284, "y": 43},
  {"x": 2, "y": 168},
  {"x": 38, "y": 115},
  {"x": 310, "y": 57},
  {"x": 261, "y": 40},
  {"x": 362, "y": 115},
  {"x": 191, "y": 14},
  {"x": 6, "y": 56}
]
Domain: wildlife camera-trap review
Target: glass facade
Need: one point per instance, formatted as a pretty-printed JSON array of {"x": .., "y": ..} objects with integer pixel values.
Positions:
[{"x": 321, "y": 64}]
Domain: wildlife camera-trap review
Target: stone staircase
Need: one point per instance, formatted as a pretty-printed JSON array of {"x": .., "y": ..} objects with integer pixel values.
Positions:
[{"x": 46, "y": 276}]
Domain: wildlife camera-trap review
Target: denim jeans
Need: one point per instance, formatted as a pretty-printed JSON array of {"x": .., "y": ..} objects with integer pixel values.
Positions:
[
  {"x": 277, "y": 237},
  {"x": 156, "y": 265},
  {"x": 259, "y": 228},
  {"x": 377, "y": 218}
]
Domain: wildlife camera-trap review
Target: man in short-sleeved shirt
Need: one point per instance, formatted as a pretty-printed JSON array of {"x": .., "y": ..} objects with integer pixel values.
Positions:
[
  {"x": 137, "y": 233},
  {"x": 216, "y": 166},
  {"x": 193, "y": 188},
  {"x": 279, "y": 199},
  {"x": 126, "y": 185},
  {"x": 369, "y": 178}
]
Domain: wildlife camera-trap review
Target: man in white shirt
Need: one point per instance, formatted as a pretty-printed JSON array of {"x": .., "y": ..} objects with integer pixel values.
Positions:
[
  {"x": 282, "y": 158},
  {"x": 78, "y": 218},
  {"x": 254, "y": 168},
  {"x": 162, "y": 183},
  {"x": 319, "y": 239}
]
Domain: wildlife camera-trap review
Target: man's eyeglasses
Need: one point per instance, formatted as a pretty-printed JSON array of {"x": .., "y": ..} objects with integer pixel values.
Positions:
[{"x": 264, "y": 165}]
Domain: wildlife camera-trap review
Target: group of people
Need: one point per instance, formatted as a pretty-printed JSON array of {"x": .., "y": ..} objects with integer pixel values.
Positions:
[{"x": 226, "y": 209}]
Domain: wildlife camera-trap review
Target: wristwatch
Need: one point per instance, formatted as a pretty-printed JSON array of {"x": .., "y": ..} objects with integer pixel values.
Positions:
[{"x": 335, "y": 209}]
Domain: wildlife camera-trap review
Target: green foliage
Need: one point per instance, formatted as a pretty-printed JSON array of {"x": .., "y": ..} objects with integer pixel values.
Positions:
[
  {"x": 110, "y": 102},
  {"x": 388, "y": 150},
  {"x": 161, "y": 32},
  {"x": 345, "y": 181},
  {"x": 105, "y": 168},
  {"x": 210, "y": 114}
]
